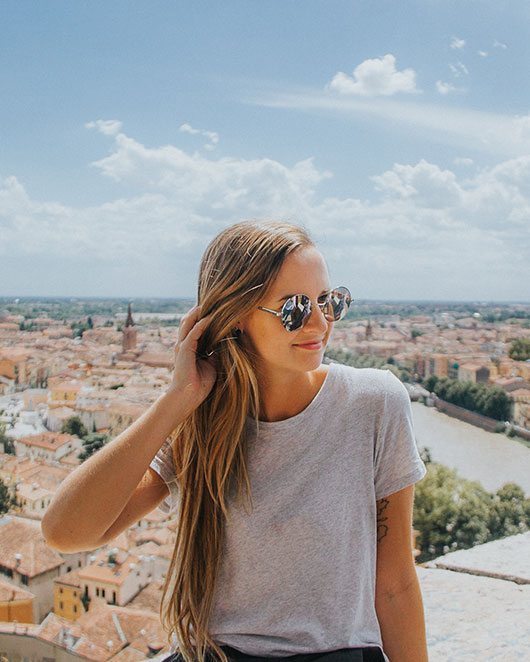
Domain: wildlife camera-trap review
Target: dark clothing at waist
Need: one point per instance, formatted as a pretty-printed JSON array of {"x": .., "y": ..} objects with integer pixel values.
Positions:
[{"x": 372, "y": 654}]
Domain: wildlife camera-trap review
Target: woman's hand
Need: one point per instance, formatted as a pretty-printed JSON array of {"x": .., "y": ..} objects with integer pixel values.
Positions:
[{"x": 193, "y": 378}]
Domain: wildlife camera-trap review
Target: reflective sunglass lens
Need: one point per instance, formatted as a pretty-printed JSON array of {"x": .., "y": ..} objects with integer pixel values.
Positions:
[
  {"x": 295, "y": 312},
  {"x": 337, "y": 304}
]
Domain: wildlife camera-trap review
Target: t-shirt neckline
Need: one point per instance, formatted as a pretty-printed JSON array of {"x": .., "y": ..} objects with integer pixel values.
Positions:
[{"x": 308, "y": 411}]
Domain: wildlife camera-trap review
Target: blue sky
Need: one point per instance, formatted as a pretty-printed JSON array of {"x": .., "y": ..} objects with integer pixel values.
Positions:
[{"x": 398, "y": 133}]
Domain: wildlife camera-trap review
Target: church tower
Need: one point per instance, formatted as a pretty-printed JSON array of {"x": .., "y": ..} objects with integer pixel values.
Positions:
[
  {"x": 368, "y": 331},
  {"x": 129, "y": 333}
]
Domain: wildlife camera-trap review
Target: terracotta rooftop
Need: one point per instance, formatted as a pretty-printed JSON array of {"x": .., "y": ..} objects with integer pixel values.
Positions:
[
  {"x": 471, "y": 366},
  {"x": 13, "y": 627},
  {"x": 70, "y": 579},
  {"x": 63, "y": 412},
  {"x": 521, "y": 392},
  {"x": 129, "y": 655},
  {"x": 32, "y": 491},
  {"x": 111, "y": 573},
  {"x": 161, "y": 536},
  {"x": 68, "y": 386},
  {"x": 13, "y": 354},
  {"x": 121, "y": 408},
  {"x": 152, "y": 549},
  {"x": 24, "y": 537},
  {"x": 106, "y": 631},
  {"x": 155, "y": 516},
  {"x": 71, "y": 459},
  {"x": 149, "y": 597},
  {"x": 10, "y": 593},
  {"x": 48, "y": 440}
]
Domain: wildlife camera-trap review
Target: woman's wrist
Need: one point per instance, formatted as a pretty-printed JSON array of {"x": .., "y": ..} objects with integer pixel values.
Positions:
[{"x": 179, "y": 403}]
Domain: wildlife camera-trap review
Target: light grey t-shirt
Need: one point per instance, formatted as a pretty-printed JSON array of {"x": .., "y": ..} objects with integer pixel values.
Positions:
[{"x": 298, "y": 574}]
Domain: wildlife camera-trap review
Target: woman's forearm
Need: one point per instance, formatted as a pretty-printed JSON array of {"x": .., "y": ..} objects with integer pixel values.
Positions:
[
  {"x": 92, "y": 497},
  {"x": 401, "y": 618}
]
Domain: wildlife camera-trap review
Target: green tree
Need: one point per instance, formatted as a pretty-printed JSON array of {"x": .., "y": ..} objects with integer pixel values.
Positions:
[
  {"x": 74, "y": 425},
  {"x": 441, "y": 387},
  {"x": 430, "y": 382},
  {"x": 510, "y": 512},
  {"x": 497, "y": 404},
  {"x": 519, "y": 349},
  {"x": 449, "y": 512},
  {"x": 405, "y": 375},
  {"x": 9, "y": 446},
  {"x": 490, "y": 401},
  {"x": 91, "y": 443},
  {"x": 5, "y": 499}
]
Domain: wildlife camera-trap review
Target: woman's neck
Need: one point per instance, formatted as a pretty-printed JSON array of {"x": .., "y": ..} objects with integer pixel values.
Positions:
[{"x": 283, "y": 396}]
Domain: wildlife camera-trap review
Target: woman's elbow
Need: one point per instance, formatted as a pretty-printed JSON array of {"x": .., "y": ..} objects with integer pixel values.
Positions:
[
  {"x": 394, "y": 585},
  {"x": 58, "y": 537}
]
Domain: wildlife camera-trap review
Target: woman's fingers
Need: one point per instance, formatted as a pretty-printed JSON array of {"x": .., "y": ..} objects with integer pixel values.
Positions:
[
  {"x": 189, "y": 344},
  {"x": 187, "y": 322},
  {"x": 186, "y": 346},
  {"x": 192, "y": 375}
]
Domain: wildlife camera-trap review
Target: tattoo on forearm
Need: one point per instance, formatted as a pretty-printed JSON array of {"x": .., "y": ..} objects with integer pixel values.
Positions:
[{"x": 382, "y": 528}]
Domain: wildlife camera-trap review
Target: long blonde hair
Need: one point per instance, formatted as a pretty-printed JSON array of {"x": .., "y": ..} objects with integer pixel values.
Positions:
[{"x": 209, "y": 447}]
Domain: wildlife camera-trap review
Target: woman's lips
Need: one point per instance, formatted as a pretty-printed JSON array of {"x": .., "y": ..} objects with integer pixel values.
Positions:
[{"x": 314, "y": 344}]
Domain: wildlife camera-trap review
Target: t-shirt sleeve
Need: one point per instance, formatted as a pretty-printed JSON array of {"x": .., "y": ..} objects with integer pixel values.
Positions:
[
  {"x": 164, "y": 466},
  {"x": 397, "y": 463}
]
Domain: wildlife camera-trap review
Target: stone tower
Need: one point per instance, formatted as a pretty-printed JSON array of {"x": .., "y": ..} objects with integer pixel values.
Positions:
[{"x": 129, "y": 333}]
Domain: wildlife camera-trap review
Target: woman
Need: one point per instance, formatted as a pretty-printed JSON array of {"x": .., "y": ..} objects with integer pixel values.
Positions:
[{"x": 293, "y": 479}]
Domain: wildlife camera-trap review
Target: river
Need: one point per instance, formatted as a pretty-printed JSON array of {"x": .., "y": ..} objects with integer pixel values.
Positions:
[{"x": 492, "y": 459}]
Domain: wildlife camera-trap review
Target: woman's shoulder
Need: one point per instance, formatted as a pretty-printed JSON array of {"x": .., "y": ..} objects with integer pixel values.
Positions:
[
  {"x": 372, "y": 383},
  {"x": 360, "y": 377}
]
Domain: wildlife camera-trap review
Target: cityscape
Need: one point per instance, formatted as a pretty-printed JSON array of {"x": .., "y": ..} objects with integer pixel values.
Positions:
[
  {"x": 397, "y": 135},
  {"x": 74, "y": 373}
]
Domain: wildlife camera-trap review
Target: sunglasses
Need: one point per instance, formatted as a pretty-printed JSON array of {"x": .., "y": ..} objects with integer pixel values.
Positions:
[{"x": 296, "y": 310}]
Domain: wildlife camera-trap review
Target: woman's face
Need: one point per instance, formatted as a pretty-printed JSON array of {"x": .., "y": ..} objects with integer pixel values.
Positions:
[{"x": 303, "y": 272}]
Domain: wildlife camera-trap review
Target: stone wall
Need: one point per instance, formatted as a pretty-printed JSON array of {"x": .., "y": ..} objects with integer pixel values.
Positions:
[{"x": 462, "y": 414}]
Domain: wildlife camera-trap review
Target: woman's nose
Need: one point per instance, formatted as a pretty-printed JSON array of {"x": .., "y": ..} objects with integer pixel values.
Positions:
[{"x": 317, "y": 321}]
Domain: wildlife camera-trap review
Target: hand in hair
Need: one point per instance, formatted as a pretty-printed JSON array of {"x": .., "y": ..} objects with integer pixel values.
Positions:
[
  {"x": 193, "y": 378},
  {"x": 115, "y": 487}
]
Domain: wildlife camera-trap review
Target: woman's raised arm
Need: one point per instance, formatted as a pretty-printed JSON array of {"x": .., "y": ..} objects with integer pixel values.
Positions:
[{"x": 105, "y": 494}]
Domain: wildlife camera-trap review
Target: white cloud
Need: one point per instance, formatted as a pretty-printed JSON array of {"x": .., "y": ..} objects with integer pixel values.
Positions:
[
  {"x": 426, "y": 183},
  {"x": 457, "y": 43},
  {"x": 499, "y": 44},
  {"x": 493, "y": 133},
  {"x": 212, "y": 136},
  {"x": 483, "y": 53},
  {"x": 463, "y": 161},
  {"x": 375, "y": 77},
  {"x": 445, "y": 88},
  {"x": 412, "y": 238},
  {"x": 107, "y": 127},
  {"x": 186, "y": 128},
  {"x": 458, "y": 69},
  {"x": 522, "y": 127}
]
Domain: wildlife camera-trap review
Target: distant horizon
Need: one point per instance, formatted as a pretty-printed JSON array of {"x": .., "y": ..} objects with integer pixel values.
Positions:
[{"x": 6, "y": 299}]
